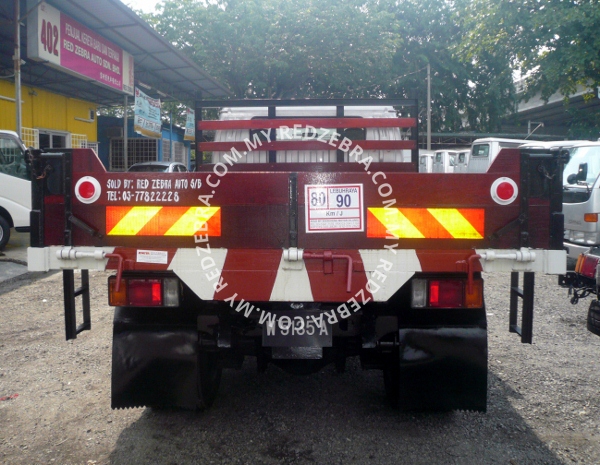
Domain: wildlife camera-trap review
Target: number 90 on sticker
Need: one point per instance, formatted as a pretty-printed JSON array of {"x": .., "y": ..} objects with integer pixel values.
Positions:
[{"x": 334, "y": 208}]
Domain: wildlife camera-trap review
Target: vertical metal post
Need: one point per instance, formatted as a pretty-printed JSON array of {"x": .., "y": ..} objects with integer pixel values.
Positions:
[
  {"x": 273, "y": 153},
  {"x": 69, "y": 298},
  {"x": 524, "y": 200},
  {"x": 172, "y": 158},
  {"x": 17, "y": 61},
  {"x": 293, "y": 206},
  {"x": 428, "y": 106},
  {"x": 514, "y": 302},
  {"x": 339, "y": 112},
  {"x": 527, "y": 317},
  {"x": 125, "y": 105},
  {"x": 198, "y": 136},
  {"x": 414, "y": 135}
]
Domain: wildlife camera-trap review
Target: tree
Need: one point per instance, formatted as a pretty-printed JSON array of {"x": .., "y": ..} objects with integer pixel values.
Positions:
[
  {"x": 350, "y": 48},
  {"x": 555, "y": 44},
  {"x": 279, "y": 48}
]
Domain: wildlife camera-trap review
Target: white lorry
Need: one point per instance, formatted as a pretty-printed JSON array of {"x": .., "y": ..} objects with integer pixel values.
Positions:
[
  {"x": 581, "y": 200},
  {"x": 484, "y": 151},
  {"x": 15, "y": 186}
]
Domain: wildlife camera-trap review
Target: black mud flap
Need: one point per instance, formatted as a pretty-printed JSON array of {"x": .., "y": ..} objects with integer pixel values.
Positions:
[
  {"x": 155, "y": 359},
  {"x": 442, "y": 369}
]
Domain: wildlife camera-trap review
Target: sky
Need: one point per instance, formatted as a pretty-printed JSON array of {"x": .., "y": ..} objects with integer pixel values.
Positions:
[{"x": 147, "y": 6}]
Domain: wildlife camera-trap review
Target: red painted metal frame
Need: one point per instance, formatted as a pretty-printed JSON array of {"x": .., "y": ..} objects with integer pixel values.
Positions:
[
  {"x": 308, "y": 145},
  {"x": 314, "y": 122}
]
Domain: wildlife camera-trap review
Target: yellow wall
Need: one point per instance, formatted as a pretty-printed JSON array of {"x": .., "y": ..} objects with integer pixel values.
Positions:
[{"x": 47, "y": 111}]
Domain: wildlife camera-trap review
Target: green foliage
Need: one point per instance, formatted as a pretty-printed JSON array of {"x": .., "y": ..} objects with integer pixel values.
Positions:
[
  {"x": 284, "y": 49},
  {"x": 375, "y": 48},
  {"x": 554, "y": 43}
]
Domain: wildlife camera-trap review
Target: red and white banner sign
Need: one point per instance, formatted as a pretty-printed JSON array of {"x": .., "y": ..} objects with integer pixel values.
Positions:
[{"x": 64, "y": 43}]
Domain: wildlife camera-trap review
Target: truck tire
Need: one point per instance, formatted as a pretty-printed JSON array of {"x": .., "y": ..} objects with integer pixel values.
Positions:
[
  {"x": 593, "y": 319},
  {"x": 4, "y": 232}
]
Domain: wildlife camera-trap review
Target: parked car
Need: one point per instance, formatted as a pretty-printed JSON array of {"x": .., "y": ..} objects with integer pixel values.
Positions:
[
  {"x": 158, "y": 167},
  {"x": 15, "y": 186}
]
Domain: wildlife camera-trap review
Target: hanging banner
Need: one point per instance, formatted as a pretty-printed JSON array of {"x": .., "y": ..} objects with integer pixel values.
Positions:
[
  {"x": 190, "y": 123},
  {"x": 67, "y": 45},
  {"x": 147, "y": 115}
]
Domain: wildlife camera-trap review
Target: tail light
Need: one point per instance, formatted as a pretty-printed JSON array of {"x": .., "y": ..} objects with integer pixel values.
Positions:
[
  {"x": 446, "y": 293},
  {"x": 586, "y": 265},
  {"x": 144, "y": 292}
]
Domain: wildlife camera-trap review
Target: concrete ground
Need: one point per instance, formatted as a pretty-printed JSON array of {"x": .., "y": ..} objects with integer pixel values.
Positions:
[{"x": 13, "y": 259}]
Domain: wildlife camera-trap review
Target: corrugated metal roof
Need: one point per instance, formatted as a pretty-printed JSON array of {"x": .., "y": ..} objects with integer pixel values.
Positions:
[{"x": 157, "y": 63}]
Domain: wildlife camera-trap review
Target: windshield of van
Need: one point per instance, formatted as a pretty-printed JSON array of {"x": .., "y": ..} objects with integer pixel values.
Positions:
[
  {"x": 12, "y": 159},
  {"x": 481, "y": 150},
  {"x": 584, "y": 159}
]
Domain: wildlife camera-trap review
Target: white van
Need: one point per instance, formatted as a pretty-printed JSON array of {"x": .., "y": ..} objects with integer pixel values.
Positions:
[
  {"x": 581, "y": 200},
  {"x": 445, "y": 161},
  {"x": 484, "y": 151},
  {"x": 425, "y": 161},
  {"x": 462, "y": 160},
  {"x": 312, "y": 156},
  {"x": 15, "y": 187}
]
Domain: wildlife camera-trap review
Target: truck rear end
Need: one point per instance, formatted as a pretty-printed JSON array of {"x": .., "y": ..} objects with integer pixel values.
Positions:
[{"x": 297, "y": 261}]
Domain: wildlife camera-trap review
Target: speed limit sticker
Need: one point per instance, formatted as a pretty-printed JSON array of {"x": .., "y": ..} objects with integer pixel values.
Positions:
[{"x": 334, "y": 208}]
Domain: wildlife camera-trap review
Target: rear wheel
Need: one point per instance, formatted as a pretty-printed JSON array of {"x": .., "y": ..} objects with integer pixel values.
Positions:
[
  {"x": 209, "y": 378},
  {"x": 593, "y": 320},
  {"x": 4, "y": 232}
]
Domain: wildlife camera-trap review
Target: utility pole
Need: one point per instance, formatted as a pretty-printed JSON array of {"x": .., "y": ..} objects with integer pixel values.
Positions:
[
  {"x": 17, "y": 59},
  {"x": 428, "y": 106}
]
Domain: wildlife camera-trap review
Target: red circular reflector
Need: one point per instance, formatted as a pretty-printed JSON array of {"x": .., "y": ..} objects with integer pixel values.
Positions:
[
  {"x": 87, "y": 190},
  {"x": 505, "y": 191}
]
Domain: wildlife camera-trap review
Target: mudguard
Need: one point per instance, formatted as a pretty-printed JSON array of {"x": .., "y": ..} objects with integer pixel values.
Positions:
[
  {"x": 154, "y": 359},
  {"x": 443, "y": 368}
]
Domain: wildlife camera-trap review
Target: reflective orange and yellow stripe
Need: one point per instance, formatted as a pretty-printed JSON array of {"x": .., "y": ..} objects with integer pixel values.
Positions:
[
  {"x": 163, "y": 221},
  {"x": 426, "y": 223}
]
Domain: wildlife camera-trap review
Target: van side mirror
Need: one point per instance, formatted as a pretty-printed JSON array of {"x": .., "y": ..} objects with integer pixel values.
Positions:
[{"x": 581, "y": 174}]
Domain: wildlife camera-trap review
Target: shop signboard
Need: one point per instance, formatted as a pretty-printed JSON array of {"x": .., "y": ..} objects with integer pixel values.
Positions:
[
  {"x": 71, "y": 47},
  {"x": 147, "y": 115},
  {"x": 190, "y": 123}
]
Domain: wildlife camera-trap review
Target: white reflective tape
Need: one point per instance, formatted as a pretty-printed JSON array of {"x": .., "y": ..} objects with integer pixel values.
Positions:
[
  {"x": 389, "y": 270},
  {"x": 187, "y": 265},
  {"x": 291, "y": 283}
]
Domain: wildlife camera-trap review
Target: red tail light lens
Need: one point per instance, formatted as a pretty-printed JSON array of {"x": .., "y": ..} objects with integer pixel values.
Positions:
[
  {"x": 145, "y": 292},
  {"x": 446, "y": 293}
]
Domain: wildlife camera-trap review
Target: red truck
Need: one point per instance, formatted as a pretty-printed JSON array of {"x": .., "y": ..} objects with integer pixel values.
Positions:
[
  {"x": 584, "y": 281},
  {"x": 306, "y": 235}
]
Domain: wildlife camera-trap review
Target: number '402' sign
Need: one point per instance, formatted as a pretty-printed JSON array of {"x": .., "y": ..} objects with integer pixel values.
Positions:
[
  {"x": 49, "y": 37},
  {"x": 334, "y": 208}
]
